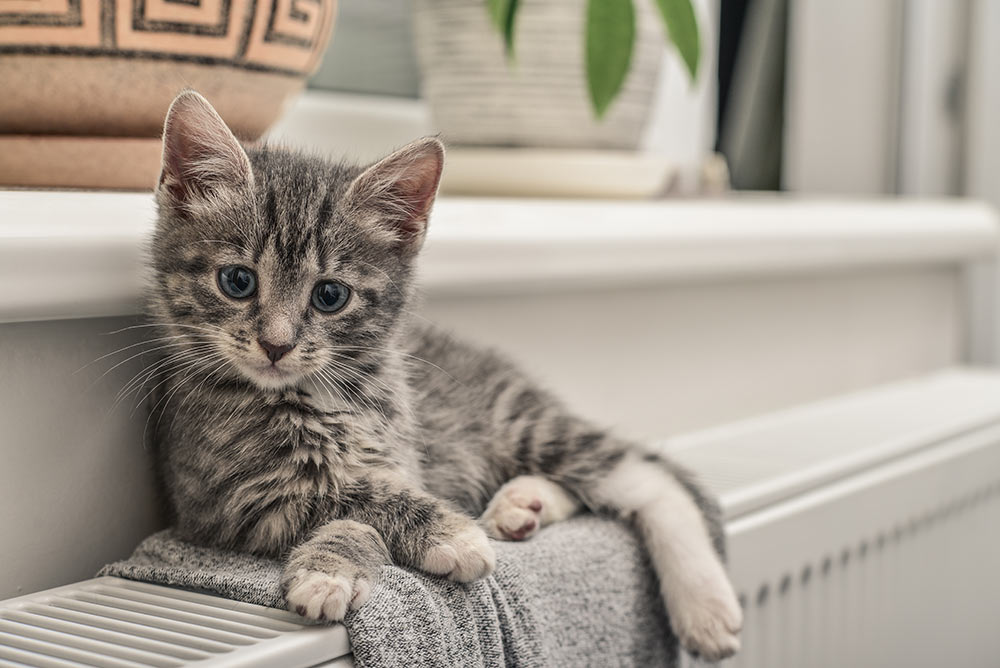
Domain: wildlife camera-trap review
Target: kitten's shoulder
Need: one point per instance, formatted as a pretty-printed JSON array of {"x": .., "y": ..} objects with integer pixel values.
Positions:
[
  {"x": 427, "y": 339},
  {"x": 435, "y": 349}
]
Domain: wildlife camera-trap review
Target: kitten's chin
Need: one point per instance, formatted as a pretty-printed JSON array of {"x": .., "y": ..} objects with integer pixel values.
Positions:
[{"x": 272, "y": 377}]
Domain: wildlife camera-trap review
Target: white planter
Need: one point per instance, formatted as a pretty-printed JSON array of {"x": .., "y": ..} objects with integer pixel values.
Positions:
[{"x": 540, "y": 99}]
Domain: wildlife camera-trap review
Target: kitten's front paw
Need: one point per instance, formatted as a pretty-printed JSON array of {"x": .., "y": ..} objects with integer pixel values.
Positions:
[
  {"x": 465, "y": 556},
  {"x": 707, "y": 623},
  {"x": 333, "y": 571},
  {"x": 323, "y": 597}
]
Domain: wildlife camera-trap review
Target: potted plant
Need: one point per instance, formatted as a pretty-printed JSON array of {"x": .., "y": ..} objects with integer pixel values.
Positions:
[{"x": 562, "y": 73}]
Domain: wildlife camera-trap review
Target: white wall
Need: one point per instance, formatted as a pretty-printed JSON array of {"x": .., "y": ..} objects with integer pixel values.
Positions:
[
  {"x": 982, "y": 157},
  {"x": 663, "y": 359},
  {"x": 76, "y": 483},
  {"x": 841, "y": 96},
  {"x": 935, "y": 45},
  {"x": 896, "y": 97}
]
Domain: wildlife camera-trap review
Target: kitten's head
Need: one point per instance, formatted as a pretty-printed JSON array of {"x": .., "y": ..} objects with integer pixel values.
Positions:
[{"x": 271, "y": 265}]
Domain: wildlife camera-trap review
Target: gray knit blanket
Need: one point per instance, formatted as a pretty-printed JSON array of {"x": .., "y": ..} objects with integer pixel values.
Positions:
[{"x": 579, "y": 593}]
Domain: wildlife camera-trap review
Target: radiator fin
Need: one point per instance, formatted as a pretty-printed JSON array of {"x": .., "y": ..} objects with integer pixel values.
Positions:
[
  {"x": 115, "y": 623},
  {"x": 862, "y": 604}
]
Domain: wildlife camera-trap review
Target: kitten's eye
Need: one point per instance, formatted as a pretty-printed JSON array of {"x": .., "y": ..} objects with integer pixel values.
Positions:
[
  {"x": 237, "y": 282},
  {"x": 330, "y": 296}
]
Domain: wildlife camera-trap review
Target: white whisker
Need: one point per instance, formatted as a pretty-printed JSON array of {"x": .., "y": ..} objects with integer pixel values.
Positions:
[{"x": 145, "y": 373}]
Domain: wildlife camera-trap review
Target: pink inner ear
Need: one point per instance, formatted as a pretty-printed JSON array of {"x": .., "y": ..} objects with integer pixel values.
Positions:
[
  {"x": 179, "y": 152},
  {"x": 415, "y": 190},
  {"x": 200, "y": 154},
  {"x": 399, "y": 190}
]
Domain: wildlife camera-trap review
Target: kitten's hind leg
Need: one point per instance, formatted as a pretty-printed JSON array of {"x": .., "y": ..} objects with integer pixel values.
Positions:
[
  {"x": 524, "y": 505},
  {"x": 702, "y": 605}
]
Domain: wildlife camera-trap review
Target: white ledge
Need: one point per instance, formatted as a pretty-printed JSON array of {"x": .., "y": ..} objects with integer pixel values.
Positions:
[
  {"x": 79, "y": 254},
  {"x": 517, "y": 244}
]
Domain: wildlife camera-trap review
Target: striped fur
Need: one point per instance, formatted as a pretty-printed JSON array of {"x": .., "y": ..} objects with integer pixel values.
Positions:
[{"x": 377, "y": 437}]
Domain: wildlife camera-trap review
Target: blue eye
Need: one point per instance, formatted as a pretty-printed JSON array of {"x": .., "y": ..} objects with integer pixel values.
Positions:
[
  {"x": 237, "y": 282},
  {"x": 330, "y": 296}
]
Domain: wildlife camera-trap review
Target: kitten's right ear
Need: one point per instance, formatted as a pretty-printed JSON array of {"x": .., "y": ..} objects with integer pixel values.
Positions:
[{"x": 202, "y": 159}]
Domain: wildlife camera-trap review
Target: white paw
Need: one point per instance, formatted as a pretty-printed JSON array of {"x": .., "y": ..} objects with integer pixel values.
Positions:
[
  {"x": 707, "y": 622},
  {"x": 522, "y": 506},
  {"x": 513, "y": 516},
  {"x": 323, "y": 597},
  {"x": 464, "y": 557}
]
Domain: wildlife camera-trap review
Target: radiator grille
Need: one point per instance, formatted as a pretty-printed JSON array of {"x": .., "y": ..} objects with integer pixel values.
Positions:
[
  {"x": 116, "y": 623},
  {"x": 864, "y": 533},
  {"x": 902, "y": 597}
]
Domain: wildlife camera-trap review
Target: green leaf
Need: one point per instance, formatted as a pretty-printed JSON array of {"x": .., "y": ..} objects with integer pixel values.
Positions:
[
  {"x": 610, "y": 34},
  {"x": 498, "y": 11},
  {"x": 682, "y": 26},
  {"x": 508, "y": 26},
  {"x": 502, "y": 14}
]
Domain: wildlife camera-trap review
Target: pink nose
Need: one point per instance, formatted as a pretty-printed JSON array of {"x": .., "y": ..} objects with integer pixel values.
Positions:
[{"x": 275, "y": 352}]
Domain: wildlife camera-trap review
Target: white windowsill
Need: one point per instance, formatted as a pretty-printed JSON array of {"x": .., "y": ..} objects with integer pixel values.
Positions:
[{"x": 79, "y": 254}]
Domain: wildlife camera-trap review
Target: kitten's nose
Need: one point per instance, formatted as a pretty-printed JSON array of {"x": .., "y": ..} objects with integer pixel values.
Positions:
[{"x": 274, "y": 351}]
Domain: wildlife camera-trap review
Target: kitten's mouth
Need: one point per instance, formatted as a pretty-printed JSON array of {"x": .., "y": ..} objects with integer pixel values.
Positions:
[
  {"x": 275, "y": 371},
  {"x": 272, "y": 375}
]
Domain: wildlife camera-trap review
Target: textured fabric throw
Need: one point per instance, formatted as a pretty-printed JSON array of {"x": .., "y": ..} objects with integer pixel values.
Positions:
[{"x": 580, "y": 593}]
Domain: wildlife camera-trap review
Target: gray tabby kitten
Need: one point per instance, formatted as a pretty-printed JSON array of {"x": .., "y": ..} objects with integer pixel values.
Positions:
[{"x": 317, "y": 423}]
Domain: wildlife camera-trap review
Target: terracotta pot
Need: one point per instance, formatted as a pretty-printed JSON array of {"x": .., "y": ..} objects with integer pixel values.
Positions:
[
  {"x": 478, "y": 98},
  {"x": 111, "y": 67}
]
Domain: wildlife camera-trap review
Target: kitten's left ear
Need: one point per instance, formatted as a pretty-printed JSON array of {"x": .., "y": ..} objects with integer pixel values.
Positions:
[{"x": 396, "y": 193}]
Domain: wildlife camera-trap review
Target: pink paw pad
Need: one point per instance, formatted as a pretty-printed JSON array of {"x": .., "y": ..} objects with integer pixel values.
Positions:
[
  {"x": 518, "y": 516},
  {"x": 523, "y": 506},
  {"x": 523, "y": 531}
]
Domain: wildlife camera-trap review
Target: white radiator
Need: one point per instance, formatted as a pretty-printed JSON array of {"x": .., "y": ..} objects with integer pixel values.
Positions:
[
  {"x": 116, "y": 623},
  {"x": 863, "y": 532}
]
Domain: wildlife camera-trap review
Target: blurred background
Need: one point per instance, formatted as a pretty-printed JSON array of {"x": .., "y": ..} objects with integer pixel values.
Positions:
[
  {"x": 677, "y": 97},
  {"x": 847, "y": 97}
]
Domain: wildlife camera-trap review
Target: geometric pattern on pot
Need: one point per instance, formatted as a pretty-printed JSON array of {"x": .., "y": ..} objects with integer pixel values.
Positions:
[{"x": 272, "y": 35}]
